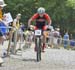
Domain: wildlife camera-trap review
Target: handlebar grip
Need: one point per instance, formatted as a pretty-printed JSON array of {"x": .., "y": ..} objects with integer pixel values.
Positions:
[
  {"x": 48, "y": 29},
  {"x": 28, "y": 29}
]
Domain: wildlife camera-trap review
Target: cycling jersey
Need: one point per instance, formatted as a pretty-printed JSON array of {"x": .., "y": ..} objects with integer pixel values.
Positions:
[{"x": 40, "y": 21}]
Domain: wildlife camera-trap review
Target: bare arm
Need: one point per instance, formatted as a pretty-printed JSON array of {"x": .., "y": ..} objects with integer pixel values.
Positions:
[
  {"x": 32, "y": 19},
  {"x": 48, "y": 19}
]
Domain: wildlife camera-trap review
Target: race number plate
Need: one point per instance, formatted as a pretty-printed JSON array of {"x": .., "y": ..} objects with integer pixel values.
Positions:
[{"x": 38, "y": 32}]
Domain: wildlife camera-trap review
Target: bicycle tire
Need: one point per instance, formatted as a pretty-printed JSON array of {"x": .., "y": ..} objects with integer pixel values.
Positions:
[{"x": 38, "y": 46}]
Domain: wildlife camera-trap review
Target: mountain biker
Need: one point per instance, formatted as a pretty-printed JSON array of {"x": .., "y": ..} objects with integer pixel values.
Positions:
[{"x": 40, "y": 19}]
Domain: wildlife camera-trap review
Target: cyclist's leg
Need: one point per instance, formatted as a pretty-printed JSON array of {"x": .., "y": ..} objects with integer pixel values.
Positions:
[
  {"x": 43, "y": 43},
  {"x": 42, "y": 27},
  {"x": 44, "y": 38},
  {"x": 37, "y": 26}
]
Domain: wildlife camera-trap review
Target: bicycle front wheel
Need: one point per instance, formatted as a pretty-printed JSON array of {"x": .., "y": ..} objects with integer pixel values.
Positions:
[{"x": 38, "y": 47}]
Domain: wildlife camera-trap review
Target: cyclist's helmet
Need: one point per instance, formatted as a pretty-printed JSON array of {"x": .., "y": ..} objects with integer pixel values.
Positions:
[{"x": 41, "y": 10}]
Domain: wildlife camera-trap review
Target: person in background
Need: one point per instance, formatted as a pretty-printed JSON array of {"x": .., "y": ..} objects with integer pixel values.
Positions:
[
  {"x": 72, "y": 42},
  {"x": 66, "y": 40},
  {"x": 15, "y": 32},
  {"x": 56, "y": 35},
  {"x": 2, "y": 5},
  {"x": 16, "y": 22},
  {"x": 51, "y": 36}
]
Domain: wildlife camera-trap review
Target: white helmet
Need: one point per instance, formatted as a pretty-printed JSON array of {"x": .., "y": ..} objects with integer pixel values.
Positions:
[{"x": 41, "y": 10}]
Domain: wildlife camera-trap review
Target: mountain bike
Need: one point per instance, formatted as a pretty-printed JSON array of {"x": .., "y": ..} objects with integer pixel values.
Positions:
[
  {"x": 38, "y": 42},
  {"x": 38, "y": 34}
]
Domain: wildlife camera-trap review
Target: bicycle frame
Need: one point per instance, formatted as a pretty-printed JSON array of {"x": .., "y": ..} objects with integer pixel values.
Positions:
[{"x": 38, "y": 34}]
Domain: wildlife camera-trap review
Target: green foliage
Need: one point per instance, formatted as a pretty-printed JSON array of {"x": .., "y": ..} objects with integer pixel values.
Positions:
[
  {"x": 61, "y": 12},
  {"x": 71, "y": 3}
]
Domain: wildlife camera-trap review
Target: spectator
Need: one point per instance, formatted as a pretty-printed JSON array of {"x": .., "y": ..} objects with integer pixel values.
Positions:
[
  {"x": 66, "y": 40},
  {"x": 16, "y": 22},
  {"x": 23, "y": 27},
  {"x": 56, "y": 35},
  {"x": 50, "y": 42},
  {"x": 2, "y": 5},
  {"x": 2, "y": 31},
  {"x": 16, "y": 32},
  {"x": 72, "y": 44}
]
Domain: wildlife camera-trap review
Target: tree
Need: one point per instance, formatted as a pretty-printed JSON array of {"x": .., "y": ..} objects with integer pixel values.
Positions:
[{"x": 62, "y": 12}]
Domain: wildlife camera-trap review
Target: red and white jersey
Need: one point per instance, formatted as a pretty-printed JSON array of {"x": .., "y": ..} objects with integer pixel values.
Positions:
[{"x": 39, "y": 19}]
